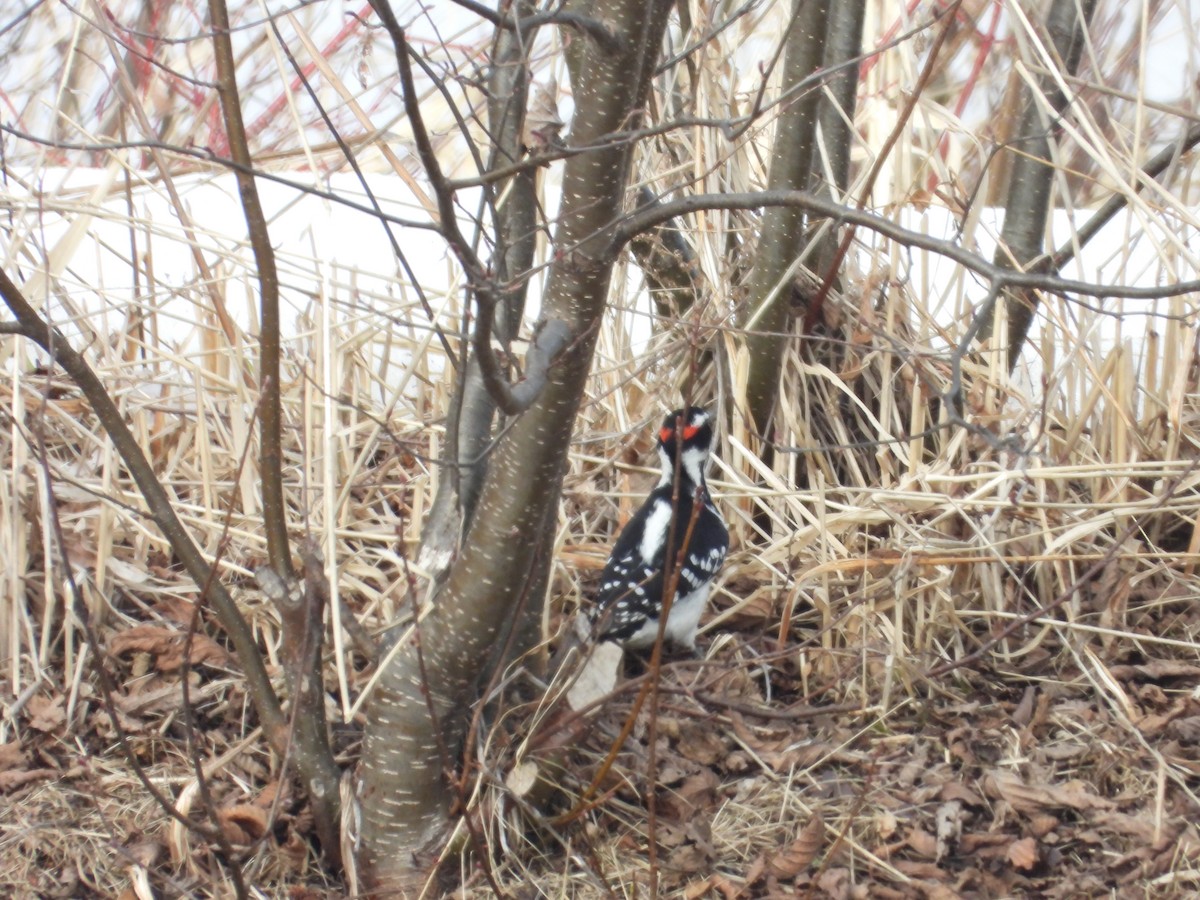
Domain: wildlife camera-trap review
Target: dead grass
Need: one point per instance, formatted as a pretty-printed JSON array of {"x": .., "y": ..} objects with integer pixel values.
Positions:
[
  {"x": 811, "y": 749},
  {"x": 957, "y": 665}
]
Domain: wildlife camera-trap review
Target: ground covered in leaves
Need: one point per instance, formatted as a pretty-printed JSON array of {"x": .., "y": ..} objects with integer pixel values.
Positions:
[
  {"x": 818, "y": 768},
  {"x": 996, "y": 783}
]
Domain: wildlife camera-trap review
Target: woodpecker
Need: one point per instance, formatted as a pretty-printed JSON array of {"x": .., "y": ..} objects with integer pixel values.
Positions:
[{"x": 630, "y": 602}]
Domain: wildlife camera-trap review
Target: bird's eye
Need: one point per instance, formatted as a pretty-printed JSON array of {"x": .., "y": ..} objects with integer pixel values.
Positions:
[{"x": 689, "y": 431}]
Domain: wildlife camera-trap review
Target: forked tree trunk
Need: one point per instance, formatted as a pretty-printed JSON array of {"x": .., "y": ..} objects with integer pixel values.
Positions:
[
  {"x": 418, "y": 707},
  {"x": 469, "y": 427}
]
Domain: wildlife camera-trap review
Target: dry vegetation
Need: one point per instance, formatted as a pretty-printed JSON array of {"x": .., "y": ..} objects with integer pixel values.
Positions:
[{"x": 959, "y": 664}]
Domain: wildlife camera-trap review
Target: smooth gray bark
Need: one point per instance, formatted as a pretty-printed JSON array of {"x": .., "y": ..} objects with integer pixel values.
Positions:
[
  {"x": 469, "y": 427},
  {"x": 417, "y": 711}
]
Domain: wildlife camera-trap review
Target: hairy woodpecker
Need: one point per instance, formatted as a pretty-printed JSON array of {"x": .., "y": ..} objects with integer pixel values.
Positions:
[{"x": 679, "y": 513}]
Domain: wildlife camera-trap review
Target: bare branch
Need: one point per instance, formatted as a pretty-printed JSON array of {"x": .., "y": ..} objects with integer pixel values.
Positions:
[
  {"x": 258, "y": 683},
  {"x": 376, "y": 208},
  {"x": 271, "y": 411},
  {"x": 593, "y": 28},
  {"x": 511, "y": 399},
  {"x": 1117, "y": 202},
  {"x": 641, "y": 220},
  {"x": 442, "y": 192}
]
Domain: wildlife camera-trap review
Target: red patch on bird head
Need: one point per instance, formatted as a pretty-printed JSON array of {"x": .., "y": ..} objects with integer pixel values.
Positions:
[{"x": 667, "y": 432}]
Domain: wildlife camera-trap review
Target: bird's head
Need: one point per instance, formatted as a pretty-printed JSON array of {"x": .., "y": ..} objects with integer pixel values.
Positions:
[{"x": 686, "y": 435}]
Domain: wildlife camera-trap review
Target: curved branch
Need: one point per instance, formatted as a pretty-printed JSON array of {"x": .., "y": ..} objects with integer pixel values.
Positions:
[
  {"x": 644, "y": 219},
  {"x": 552, "y": 338},
  {"x": 593, "y": 28},
  {"x": 258, "y": 683}
]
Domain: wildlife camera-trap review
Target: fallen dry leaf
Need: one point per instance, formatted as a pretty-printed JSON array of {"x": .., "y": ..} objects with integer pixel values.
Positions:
[
  {"x": 792, "y": 859},
  {"x": 701, "y": 744},
  {"x": 15, "y": 778},
  {"x": 956, "y": 790},
  {"x": 689, "y": 860},
  {"x": 1023, "y": 854},
  {"x": 46, "y": 713},
  {"x": 838, "y": 884},
  {"x": 728, "y": 888},
  {"x": 922, "y": 842},
  {"x": 697, "y": 793},
  {"x": 243, "y": 823},
  {"x": 270, "y": 792},
  {"x": 1029, "y": 799},
  {"x": 937, "y": 891},
  {"x": 158, "y": 696},
  {"x": 12, "y": 756},
  {"x": 797, "y": 856},
  {"x": 915, "y": 868},
  {"x": 915, "y": 766},
  {"x": 776, "y": 747},
  {"x": 1041, "y": 824},
  {"x": 1023, "y": 714},
  {"x": 1157, "y": 669},
  {"x": 983, "y": 844},
  {"x": 1186, "y": 730},
  {"x": 167, "y": 645},
  {"x": 1140, "y": 827}
]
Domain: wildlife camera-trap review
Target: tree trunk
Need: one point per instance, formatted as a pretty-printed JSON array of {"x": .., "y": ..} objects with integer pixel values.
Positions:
[
  {"x": 781, "y": 237},
  {"x": 1027, "y": 207},
  {"x": 831, "y": 166},
  {"x": 469, "y": 427},
  {"x": 417, "y": 711}
]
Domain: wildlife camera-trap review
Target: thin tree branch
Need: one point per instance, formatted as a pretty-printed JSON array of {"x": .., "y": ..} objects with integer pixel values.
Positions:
[
  {"x": 510, "y": 398},
  {"x": 376, "y": 209},
  {"x": 593, "y": 28},
  {"x": 271, "y": 415},
  {"x": 207, "y": 156},
  {"x": 258, "y": 683},
  {"x": 1102, "y": 216},
  {"x": 641, "y": 220}
]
